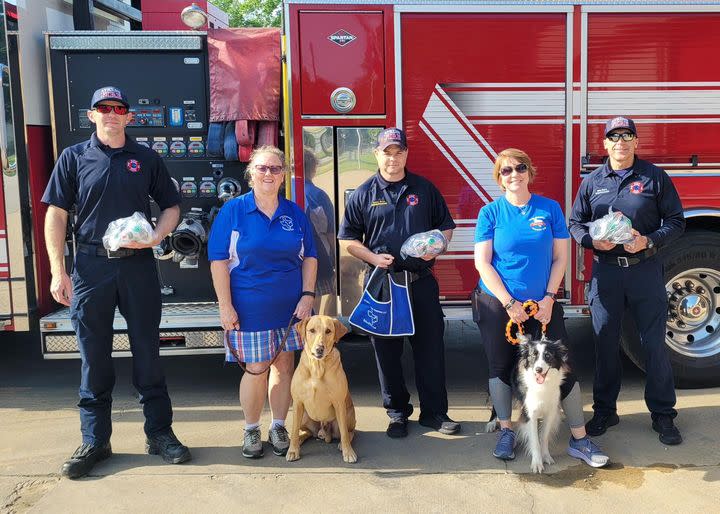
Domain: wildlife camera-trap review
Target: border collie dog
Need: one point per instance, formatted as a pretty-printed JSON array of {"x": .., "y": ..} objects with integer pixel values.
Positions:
[
  {"x": 540, "y": 370},
  {"x": 537, "y": 377}
]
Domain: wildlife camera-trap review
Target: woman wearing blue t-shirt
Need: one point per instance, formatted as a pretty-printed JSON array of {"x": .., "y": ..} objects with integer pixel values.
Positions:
[
  {"x": 263, "y": 266},
  {"x": 521, "y": 248}
]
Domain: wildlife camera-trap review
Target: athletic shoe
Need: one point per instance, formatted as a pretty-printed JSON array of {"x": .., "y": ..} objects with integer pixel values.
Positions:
[
  {"x": 589, "y": 452},
  {"x": 279, "y": 440},
  {"x": 252, "y": 445},
  {"x": 505, "y": 447}
]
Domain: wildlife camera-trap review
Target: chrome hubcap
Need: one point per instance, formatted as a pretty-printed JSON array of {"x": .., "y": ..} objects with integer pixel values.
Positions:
[{"x": 693, "y": 326}]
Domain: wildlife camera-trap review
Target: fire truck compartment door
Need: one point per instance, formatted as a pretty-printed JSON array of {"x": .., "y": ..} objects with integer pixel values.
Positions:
[
  {"x": 342, "y": 50},
  {"x": 470, "y": 89}
]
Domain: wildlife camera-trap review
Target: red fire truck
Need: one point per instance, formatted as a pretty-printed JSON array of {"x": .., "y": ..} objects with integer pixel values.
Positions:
[{"x": 466, "y": 81}]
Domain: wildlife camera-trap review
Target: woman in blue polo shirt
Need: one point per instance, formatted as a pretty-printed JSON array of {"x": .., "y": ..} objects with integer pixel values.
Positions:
[
  {"x": 521, "y": 249},
  {"x": 263, "y": 265}
]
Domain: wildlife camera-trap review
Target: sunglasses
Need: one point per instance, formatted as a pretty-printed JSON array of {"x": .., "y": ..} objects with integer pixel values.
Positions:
[
  {"x": 507, "y": 170},
  {"x": 275, "y": 170},
  {"x": 626, "y": 136},
  {"x": 105, "y": 109}
]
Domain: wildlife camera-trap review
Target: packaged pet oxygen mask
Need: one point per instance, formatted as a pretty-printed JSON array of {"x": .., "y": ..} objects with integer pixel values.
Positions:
[
  {"x": 614, "y": 227},
  {"x": 133, "y": 229},
  {"x": 431, "y": 243}
]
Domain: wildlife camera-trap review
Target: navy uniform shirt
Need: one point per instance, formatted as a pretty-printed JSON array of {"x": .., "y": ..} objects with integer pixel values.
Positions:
[
  {"x": 108, "y": 183},
  {"x": 646, "y": 195},
  {"x": 382, "y": 215}
]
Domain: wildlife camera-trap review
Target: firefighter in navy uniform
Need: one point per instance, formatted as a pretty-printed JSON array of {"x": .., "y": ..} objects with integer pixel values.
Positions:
[
  {"x": 379, "y": 216},
  {"x": 106, "y": 178},
  {"x": 630, "y": 275}
]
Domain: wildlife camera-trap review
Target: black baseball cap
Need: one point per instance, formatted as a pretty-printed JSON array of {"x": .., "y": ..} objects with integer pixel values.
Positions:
[
  {"x": 620, "y": 122},
  {"x": 391, "y": 136},
  {"x": 109, "y": 93}
]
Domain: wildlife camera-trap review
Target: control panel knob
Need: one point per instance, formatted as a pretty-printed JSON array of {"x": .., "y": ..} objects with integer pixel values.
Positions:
[{"x": 228, "y": 188}]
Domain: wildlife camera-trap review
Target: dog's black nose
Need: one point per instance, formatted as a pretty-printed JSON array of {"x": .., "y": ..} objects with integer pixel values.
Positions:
[{"x": 538, "y": 370}]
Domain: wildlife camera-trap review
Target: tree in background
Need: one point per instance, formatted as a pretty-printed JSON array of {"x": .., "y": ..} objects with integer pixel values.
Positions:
[{"x": 251, "y": 13}]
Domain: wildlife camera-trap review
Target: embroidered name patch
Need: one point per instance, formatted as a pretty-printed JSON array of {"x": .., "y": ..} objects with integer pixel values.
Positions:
[
  {"x": 378, "y": 203},
  {"x": 412, "y": 199},
  {"x": 132, "y": 165},
  {"x": 636, "y": 188}
]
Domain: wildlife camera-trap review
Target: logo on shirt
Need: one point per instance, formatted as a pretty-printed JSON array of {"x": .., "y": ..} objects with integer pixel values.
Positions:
[
  {"x": 412, "y": 199},
  {"x": 538, "y": 224},
  {"x": 132, "y": 165},
  {"x": 372, "y": 318},
  {"x": 378, "y": 203},
  {"x": 636, "y": 188},
  {"x": 286, "y": 222},
  {"x": 602, "y": 191}
]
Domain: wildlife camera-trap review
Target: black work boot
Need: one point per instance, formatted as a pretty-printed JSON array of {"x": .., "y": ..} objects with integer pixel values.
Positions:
[
  {"x": 84, "y": 458},
  {"x": 168, "y": 447}
]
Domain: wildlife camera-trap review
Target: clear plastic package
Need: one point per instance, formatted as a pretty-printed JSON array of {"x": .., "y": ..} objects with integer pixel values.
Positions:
[
  {"x": 614, "y": 227},
  {"x": 432, "y": 243},
  {"x": 133, "y": 229}
]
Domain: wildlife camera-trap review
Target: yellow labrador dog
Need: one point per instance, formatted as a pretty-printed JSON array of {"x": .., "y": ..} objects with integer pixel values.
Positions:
[{"x": 323, "y": 407}]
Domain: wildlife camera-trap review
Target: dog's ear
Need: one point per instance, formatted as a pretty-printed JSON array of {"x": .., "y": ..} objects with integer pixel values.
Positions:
[
  {"x": 340, "y": 329},
  {"x": 523, "y": 339},
  {"x": 300, "y": 327},
  {"x": 563, "y": 350}
]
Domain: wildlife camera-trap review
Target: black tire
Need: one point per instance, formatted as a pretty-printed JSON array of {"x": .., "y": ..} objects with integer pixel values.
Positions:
[{"x": 692, "y": 265}]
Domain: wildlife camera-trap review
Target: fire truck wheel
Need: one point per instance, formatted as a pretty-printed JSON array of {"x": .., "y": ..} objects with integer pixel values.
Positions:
[{"x": 692, "y": 282}]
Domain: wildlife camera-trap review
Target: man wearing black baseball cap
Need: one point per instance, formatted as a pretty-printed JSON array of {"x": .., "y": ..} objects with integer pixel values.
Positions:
[
  {"x": 629, "y": 275},
  {"x": 106, "y": 178},
  {"x": 379, "y": 216}
]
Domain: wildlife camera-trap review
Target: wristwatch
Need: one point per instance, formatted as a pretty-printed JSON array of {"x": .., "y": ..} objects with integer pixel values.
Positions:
[
  {"x": 650, "y": 242},
  {"x": 551, "y": 295},
  {"x": 510, "y": 303}
]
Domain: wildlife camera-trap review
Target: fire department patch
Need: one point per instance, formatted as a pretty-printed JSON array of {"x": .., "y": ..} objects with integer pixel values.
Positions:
[
  {"x": 538, "y": 224},
  {"x": 636, "y": 188},
  {"x": 132, "y": 165},
  {"x": 412, "y": 199}
]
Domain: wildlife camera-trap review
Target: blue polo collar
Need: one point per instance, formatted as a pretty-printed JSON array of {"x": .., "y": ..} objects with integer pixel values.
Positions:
[
  {"x": 130, "y": 145},
  {"x": 408, "y": 179},
  {"x": 250, "y": 205},
  {"x": 609, "y": 170}
]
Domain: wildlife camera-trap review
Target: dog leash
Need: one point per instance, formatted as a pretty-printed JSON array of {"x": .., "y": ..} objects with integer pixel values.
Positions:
[
  {"x": 531, "y": 309},
  {"x": 280, "y": 349}
]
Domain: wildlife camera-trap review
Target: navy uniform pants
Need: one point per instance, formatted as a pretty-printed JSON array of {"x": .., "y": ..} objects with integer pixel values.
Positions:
[
  {"x": 640, "y": 289},
  {"x": 428, "y": 351},
  {"x": 99, "y": 286}
]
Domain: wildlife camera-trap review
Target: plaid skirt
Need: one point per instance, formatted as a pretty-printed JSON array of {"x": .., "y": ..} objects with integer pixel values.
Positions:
[{"x": 260, "y": 346}]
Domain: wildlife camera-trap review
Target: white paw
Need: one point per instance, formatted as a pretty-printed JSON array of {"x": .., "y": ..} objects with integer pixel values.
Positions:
[
  {"x": 536, "y": 465},
  {"x": 547, "y": 459},
  {"x": 292, "y": 455},
  {"x": 349, "y": 456}
]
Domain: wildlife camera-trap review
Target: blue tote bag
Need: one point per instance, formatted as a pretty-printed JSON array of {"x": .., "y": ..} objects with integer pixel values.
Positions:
[{"x": 385, "y": 310}]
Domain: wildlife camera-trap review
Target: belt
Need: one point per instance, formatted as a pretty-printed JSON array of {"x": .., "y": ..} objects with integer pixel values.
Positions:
[
  {"x": 625, "y": 261},
  {"x": 100, "y": 251},
  {"x": 413, "y": 276}
]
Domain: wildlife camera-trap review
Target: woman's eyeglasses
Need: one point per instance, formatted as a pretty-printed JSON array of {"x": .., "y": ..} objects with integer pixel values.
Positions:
[
  {"x": 104, "y": 109},
  {"x": 275, "y": 170},
  {"x": 507, "y": 170},
  {"x": 626, "y": 136}
]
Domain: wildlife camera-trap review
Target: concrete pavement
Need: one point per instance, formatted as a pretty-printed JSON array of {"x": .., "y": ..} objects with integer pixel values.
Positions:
[{"x": 428, "y": 472}]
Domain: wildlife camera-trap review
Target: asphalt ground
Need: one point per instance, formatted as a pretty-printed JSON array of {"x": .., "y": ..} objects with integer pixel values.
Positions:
[{"x": 428, "y": 472}]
